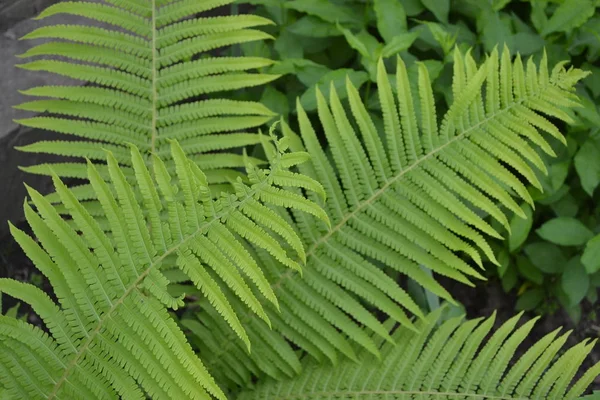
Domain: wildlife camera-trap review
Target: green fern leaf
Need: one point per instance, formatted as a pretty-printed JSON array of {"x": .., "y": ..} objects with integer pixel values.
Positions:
[
  {"x": 421, "y": 364},
  {"x": 408, "y": 199},
  {"x": 110, "y": 336},
  {"x": 150, "y": 79}
]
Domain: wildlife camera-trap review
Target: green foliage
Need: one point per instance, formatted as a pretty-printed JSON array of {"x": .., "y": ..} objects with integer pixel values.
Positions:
[
  {"x": 110, "y": 334},
  {"x": 446, "y": 360},
  {"x": 393, "y": 178},
  {"x": 153, "y": 75},
  {"x": 397, "y": 187}
]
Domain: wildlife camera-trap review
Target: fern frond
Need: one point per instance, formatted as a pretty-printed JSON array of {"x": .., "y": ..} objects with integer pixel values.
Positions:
[
  {"x": 409, "y": 200},
  {"x": 151, "y": 77},
  {"x": 110, "y": 335},
  {"x": 447, "y": 360}
]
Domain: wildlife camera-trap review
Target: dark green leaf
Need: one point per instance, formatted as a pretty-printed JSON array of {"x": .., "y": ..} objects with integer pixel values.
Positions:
[
  {"x": 546, "y": 256},
  {"x": 529, "y": 271},
  {"x": 591, "y": 255},
  {"x": 587, "y": 164},
  {"x": 313, "y": 27},
  {"x": 530, "y": 299},
  {"x": 276, "y": 101},
  {"x": 565, "y": 231},
  {"x": 399, "y": 43},
  {"x": 527, "y": 43},
  {"x": 439, "y": 8},
  {"x": 575, "y": 281},
  {"x": 338, "y": 78},
  {"x": 520, "y": 228},
  {"x": 509, "y": 280}
]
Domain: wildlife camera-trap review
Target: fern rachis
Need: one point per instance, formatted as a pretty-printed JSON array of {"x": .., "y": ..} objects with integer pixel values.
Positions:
[
  {"x": 112, "y": 292},
  {"x": 403, "y": 203},
  {"x": 146, "y": 85}
]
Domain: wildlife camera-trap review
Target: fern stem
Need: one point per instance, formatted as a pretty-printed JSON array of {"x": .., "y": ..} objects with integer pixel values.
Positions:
[
  {"x": 201, "y": 229},
  {"x": 369, "y": 393},
  {"x": 154, "y": 79}
]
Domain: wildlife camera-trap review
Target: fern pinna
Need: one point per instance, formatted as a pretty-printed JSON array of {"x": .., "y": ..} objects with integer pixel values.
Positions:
[
  {"x": 152, "y": 77},
  {"x": 407, "y": 200},
  {"x": 110, "y": 333},
  {"x": 446, "y": 360}
]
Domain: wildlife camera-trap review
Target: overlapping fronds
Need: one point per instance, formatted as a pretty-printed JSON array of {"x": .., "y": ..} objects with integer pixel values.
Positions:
[
  {"x": 450, "y": 361},
  {"x": 110, "y": 335},
  {"x": 153, "y": 73},
  {"x": 406, "y": 201}
]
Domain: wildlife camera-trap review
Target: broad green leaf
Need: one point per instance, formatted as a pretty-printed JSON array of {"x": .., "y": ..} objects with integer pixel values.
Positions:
[
  {"x": 498, "y": 5},
  {"x": 570, "y": 14},
  {"x": 592, "y": 82},
  {"x": 591, "y": 255},
  {"x": 567, "y": 206},
  {"x": 495, "y": 30},
  {"x": 527, "y": 43},
  {"x": 546, "y": 256},
  {"x": 276, "y": 101},
  {"x": 509, "y": 280},
  {"x": 313, "y": 27},
  {"x": 530, "y": 299},
  {"x": 439, "y": 8},
  {"x": 366, "y": 45},
  {"x": 575, "y": 281},
  {"x": 391, "y": 19},
  {"x": 565, "y": 231},
  {"x": 287, "y": 46},
  {"x": 308, "y": 72},
  {"x": 338, "y": 78},
  {"x": 529, "y": 271},
  {"x": 399, "y": 43},
  {"x": 520, "y": 228},
  {"x": 413, "y": 7},
  {"x": 587, "y": 164},
  {"x": 326, "y": 10}
]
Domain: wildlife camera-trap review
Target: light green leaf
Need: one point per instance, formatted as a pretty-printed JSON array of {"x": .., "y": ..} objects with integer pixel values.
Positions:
[
  {"x": 338, "y": 78},
  {"x": 565, "y": 231},
  {"x": 591, "y": 255},
  {"x": 391, "y": 19},
  {"x": 587, "y": 164},
  {"x": 520, "y": 228},
  {"x": 439, "y": 8},
  {"x": 546, "y": 256},
  {"x": 399, "y": 43},
  {"x": 570, "y": 14},
  {"x": 575, "y": 281}
]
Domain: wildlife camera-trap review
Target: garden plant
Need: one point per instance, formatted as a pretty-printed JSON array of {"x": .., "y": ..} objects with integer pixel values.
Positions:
[{"x": 266, "y": 200}]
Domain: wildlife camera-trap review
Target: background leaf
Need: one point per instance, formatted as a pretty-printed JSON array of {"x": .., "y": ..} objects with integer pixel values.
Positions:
[
  {"x": 575, "y": 281},
  {"x": 587, "y": 164},
  {"x": 391, "y": 18},
  {"x": 591, "y": 255},
  {"x": 565, "y": 231}
]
